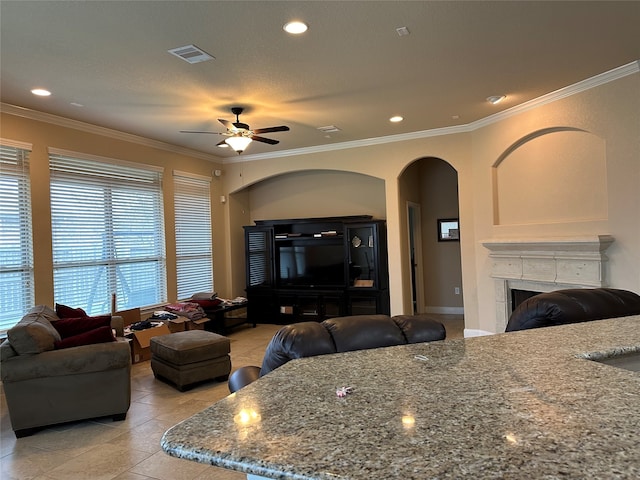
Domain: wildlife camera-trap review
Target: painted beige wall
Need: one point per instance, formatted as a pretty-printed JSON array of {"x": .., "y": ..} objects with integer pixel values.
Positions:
[
  {"x": 610, "y": 113},
  {"x": 317, "y": 193},
  {"x": 43, "y": 135},
  {"x": 385, "y": 162}
]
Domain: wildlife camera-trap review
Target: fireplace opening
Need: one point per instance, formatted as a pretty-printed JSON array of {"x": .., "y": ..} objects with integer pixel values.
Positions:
[{"x": 519, "y": 296}]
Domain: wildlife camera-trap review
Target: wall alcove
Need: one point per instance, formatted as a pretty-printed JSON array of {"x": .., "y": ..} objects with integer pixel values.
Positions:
[{"x": 552, "y": 175}]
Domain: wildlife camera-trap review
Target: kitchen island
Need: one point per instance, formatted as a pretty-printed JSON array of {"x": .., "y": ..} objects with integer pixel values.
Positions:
[{"x": 530, "y": 404}]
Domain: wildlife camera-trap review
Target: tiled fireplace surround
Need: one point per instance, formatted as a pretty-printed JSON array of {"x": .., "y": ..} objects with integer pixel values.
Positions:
[{"x": 544, "y": 265}]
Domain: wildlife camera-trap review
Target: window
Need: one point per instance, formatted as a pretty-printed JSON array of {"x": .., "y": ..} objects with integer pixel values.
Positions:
[
  {"x": 107, "y": 233},
  {"x": 194, "y": 259},
  {"x": 16, "y": 249}
]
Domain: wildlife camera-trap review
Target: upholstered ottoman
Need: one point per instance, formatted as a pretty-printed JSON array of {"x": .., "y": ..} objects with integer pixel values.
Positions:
[{"x": 185, "y": 358}]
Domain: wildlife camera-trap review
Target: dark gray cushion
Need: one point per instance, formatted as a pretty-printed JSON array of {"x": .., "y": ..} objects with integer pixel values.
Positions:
[{"x": 34, "y": 333}]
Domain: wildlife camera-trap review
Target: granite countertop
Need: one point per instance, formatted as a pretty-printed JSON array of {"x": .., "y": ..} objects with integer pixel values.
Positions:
[{"x": 516, "y": 405}]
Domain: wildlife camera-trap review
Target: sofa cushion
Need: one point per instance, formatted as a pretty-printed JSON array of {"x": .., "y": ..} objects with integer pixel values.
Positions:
[
  {"x": 97, "y": 335},
  {"x": 297, "y": 340},
  {"x": 573, "y": 306},
  {"x": 360, "y": 332},
  {"x": 420, "y": 328},
  {"x": 68, "y": 312},
  {"x": 34, "y": 332},
  {"x": 68, "y": 327}
]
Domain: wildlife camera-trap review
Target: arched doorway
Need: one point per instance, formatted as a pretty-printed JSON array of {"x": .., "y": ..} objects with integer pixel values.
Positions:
[{"x": 429, "y": 192}]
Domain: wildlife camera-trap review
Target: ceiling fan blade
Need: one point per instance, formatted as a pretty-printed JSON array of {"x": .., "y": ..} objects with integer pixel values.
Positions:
[
  {"x": 282, "y": 128},
  {"x": 241, "y": 126},
  {"x": 227, "y": 124},
  {"x": 198, "y": 131},
  {"x": 270, "y": 141}
]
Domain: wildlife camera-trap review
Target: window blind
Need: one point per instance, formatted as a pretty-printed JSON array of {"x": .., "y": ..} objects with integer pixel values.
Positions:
[
  {"x": 194, "y": 251},
  {"x": 107, "y": 234},
  {"x": 16, "y": 247}
]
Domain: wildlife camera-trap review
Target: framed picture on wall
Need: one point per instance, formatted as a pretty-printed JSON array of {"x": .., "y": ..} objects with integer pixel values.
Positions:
[{"x": 448, "y": 230}]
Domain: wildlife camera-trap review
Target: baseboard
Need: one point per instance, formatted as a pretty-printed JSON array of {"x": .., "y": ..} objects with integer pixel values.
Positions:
[
  {"x": 445, "y": 310},
  {"x": 469, "y": 332}
]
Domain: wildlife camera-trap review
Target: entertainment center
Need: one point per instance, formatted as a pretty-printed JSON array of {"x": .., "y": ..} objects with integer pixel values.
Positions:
[{"x": 316, "y": 268}]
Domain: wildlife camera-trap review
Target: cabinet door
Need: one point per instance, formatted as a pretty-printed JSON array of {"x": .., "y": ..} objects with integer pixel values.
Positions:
[
  {"x": 362, "y": 246},
  {"x": 259, "y": 258}
]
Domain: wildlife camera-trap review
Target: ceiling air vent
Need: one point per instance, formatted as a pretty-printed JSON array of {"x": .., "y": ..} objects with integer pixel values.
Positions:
[{"x": 191, "y": 54}]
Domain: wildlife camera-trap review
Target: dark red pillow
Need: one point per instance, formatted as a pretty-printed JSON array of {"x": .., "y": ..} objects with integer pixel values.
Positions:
[
  {"x": 68, "y": 327},
  {"x": 67, "y": 312},
  {"x": 207, "y": 303},
  {"x": 97, "y": 335}
]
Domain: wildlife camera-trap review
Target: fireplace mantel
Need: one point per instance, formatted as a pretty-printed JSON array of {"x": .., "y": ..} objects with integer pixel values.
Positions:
[{"x": 545, "y": 264}]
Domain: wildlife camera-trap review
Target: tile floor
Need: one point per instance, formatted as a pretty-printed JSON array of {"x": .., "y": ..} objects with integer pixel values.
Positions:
[{"x": 130, "y": 450}]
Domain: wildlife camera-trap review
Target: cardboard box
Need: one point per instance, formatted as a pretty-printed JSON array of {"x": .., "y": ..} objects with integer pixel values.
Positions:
[
  {"x": 175, "y": 326},
  {"x": 141, "y": 342},
  {"x": 181, "y": 324},
  {"x": 196, "y": 324},
  {"x": 140, "y": 339}
]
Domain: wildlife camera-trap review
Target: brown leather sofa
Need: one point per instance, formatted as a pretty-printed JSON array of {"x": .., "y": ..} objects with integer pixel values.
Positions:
[
  {"x": 341, "y": 334},
  {"x": 573, "y": 306},
  {"x": 45, "y": 386}
]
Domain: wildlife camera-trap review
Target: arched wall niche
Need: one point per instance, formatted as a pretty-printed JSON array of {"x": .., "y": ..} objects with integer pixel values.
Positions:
[
  {"x": 316, "y": 193},
  {"x": 552, "y": 175}
]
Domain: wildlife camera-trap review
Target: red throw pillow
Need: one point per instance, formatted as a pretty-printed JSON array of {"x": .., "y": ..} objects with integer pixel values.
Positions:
[
  {"x": 67, "y": 312},
  {"x": 68, "y": 327},
  {"x": 97, "y": 335},
  {"x": 207, "y": 303}
]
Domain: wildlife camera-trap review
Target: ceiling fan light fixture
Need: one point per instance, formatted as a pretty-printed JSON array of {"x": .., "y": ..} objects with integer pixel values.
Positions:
[
  {"x": 238, "y": 142},
  {"x": 295, "y": 27}
]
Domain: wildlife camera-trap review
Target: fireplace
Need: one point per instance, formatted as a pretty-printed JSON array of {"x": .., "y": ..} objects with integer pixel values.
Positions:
[
  {"x": 518, "y": 296},
  {"x": 544, "y": 265}
]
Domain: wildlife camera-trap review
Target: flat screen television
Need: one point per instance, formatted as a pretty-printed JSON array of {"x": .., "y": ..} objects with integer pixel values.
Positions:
[{"x": 311, "y": 265}]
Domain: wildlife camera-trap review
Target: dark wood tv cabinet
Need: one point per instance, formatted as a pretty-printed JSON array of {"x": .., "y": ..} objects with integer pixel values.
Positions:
[{"x": 316, "y": 268}]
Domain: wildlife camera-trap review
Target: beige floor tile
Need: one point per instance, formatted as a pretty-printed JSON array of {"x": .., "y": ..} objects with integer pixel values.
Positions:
[
  {"x": 130, "y": 450},
  {"x": 215, "y": 473},
  {"x": 164, "y": 467},
  {"x": 103, "y": 462}
]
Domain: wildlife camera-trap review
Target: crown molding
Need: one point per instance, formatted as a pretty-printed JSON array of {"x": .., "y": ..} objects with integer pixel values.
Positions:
[
  {"x": 103, "y": 131},
  {"x": 588, "y": 84},
  {"x": 367, "y": 142},
  {"x": 601, "y": 79}
]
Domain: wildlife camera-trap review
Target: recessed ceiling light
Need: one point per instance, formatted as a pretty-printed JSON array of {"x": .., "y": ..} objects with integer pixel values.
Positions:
[
  {"x": 495, "y": 99},
  {"x": 396, "y": 119},
  {"x": 41, "y": 92},
  {"x": 295, "y": 27},
  {"x": 76, "y": 104}
]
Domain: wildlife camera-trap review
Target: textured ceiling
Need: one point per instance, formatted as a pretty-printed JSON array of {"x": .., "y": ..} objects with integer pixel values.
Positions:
[{"x": 351, "y": 69}]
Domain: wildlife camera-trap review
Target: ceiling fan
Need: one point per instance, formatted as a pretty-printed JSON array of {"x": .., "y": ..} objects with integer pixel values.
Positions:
[{"x": 239, "y": 135}]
